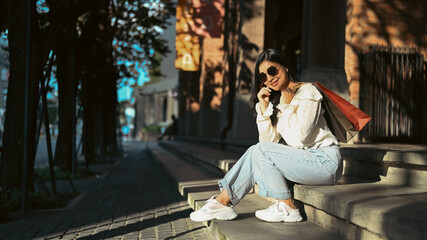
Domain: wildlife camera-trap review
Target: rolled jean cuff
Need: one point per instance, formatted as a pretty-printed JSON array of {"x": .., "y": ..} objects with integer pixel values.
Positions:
[
  {"x": 223, "y": 184},
  {"x": 277, "y": 195}
]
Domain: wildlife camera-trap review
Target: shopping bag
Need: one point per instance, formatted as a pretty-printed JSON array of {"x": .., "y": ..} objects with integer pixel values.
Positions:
[{"x": 344, "y": 119}]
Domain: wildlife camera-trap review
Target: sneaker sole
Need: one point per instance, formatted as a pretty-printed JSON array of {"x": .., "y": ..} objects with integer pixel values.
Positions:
[
  {"x": 230, "y": 215},
  {"x": 298, "y": 220},
  {"x": 259, "y": 216},
  {"x": 276, "y": 220}
]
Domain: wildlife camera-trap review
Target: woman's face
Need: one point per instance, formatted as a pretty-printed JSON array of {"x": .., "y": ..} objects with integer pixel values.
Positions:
[{"x": 275, "y": 75}]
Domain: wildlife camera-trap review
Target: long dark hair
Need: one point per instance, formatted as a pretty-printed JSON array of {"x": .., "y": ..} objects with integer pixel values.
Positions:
[{"x": 275, "y": 56}]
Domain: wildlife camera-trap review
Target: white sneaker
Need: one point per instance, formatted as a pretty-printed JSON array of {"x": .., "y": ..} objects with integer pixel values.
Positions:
[
  {"x": 213, "y": 210},
  {"x": 279, "y": 212}
]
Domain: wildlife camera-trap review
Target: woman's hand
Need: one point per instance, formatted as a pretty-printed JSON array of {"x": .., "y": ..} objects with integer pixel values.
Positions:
[{"x": 264, "y": 98}]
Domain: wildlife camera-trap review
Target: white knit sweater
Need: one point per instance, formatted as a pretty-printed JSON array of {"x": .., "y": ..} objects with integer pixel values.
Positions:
[{"x": 300, "y": 123}]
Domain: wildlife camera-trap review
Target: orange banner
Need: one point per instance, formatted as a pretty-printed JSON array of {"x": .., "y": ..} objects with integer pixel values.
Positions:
[
  {"x": 187, "y": 43},
  {"x": 208, "y": 15}
]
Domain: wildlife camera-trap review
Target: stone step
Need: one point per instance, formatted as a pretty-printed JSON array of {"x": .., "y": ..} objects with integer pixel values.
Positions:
[
  {"x": 197, "y": 186},
  {"x": 358, "y": 209},
  {"x": 395, "y": 163},
  {"x": 364, "y": 201},
  {"x": 219, "y": 161}
]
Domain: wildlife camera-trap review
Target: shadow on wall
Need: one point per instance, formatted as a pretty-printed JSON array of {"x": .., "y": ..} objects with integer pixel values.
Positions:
[
  {"x": 408, "y": 23},
  {"x": 246, "y": 73},
  {"x": 212, "y": 86},
  {"x": 245, "y": 78},
  {"x": 244, "y": 124},
  {"x": 373, "y": 24},
  {"x": 203, "y": 102}
]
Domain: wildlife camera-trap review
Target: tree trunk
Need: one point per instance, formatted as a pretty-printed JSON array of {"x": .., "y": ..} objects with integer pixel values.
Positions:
[
  {"x": 110, "y": 87},
  {"x": 99, "y": 87},
  {"x": 3, "y": 16},
  {"x": 110, "y": 103},
  {"x": 11, "y": 170},
  {"x": 66, "y": 96}
]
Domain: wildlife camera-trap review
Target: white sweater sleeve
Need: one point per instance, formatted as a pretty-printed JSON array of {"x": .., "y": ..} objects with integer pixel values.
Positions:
[{"x": 267, "y": 133}]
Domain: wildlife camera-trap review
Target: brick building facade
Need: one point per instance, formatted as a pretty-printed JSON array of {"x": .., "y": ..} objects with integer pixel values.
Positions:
[{"x": 325, "y": 39}]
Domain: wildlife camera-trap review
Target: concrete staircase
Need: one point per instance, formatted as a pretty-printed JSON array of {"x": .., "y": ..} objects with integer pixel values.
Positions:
[{"x": 383, "y": 194}]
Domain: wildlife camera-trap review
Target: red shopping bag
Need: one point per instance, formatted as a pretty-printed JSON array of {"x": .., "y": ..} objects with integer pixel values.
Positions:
[{"x": 344, "y": 119}]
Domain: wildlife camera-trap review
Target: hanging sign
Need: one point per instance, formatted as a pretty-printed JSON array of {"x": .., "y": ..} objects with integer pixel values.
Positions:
[{"x": 187, "y": 43}]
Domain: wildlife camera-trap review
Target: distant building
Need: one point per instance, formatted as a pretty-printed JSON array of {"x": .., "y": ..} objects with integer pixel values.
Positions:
[{"x": 155, "y": 103}]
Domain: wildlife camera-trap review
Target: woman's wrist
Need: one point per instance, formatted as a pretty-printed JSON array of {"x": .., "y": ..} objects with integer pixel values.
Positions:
[
  {"x": 265, "y": 111},
  {"x": 263, "y": 107}
]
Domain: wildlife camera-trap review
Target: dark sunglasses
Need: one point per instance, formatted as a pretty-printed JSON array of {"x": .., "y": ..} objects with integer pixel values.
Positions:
[{"x": 272, "y": 71}]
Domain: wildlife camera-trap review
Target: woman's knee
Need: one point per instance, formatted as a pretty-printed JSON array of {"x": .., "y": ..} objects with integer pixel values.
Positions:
[
  {"x": 257, "y": 148},
  {"x": 257, "y": 151},
  {"x": 266, "y": 146},
  {"x": 262, "y": 147},
  {"x": 252, "y": 154}
]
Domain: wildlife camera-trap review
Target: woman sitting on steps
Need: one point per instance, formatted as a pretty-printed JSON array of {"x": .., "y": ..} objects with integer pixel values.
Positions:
[{"x": 285, "y": 110}]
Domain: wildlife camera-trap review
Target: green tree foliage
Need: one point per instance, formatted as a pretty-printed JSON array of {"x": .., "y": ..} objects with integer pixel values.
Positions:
[
  {"x": 137, "y": 28},
  {"x": 155, "y": 70}
]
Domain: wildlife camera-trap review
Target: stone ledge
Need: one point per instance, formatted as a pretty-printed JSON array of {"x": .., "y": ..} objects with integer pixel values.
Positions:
[
  {"x": 216, "y": 158},
  {"x": 397, "y": 154},
  {"x": 382, "y": 171},
  {"x": 387, "y": 210},
  {"x": 396, "y": 163}
]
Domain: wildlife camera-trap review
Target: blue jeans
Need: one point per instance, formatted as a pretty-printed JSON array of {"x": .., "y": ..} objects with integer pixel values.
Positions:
[{"x": 272, "y": 165}]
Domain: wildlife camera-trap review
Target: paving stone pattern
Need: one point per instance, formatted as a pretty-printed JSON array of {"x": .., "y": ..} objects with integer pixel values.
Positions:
[{"x": 133, "y": 200}]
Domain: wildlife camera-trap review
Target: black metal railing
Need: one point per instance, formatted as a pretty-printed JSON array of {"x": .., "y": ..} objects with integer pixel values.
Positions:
[{"x": 392, "y": 91}]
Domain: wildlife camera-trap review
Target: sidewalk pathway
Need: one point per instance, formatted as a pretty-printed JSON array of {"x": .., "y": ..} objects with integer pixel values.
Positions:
[{"x": 132, "y": 200}]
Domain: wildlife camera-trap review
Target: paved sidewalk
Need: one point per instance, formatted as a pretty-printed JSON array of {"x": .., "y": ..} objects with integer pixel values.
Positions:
[{"x": 133, "y": 199}]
